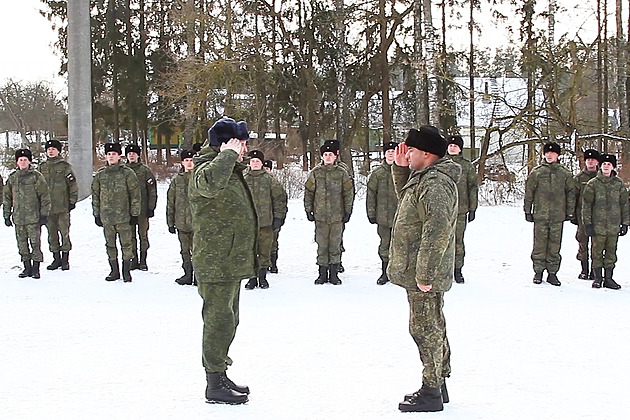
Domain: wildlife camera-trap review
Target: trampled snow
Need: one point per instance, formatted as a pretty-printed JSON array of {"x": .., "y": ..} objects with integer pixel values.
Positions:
[{"x": 73, "y": 346}]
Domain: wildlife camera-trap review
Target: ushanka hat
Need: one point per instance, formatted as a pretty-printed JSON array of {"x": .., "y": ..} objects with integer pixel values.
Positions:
[
  {"x": 327, "y": 148},
  {"x": 23, "y": 153},
  {"x": 132, "y": 148},
  {"x": 113, "y": 147},
  {"x": 197, "y": 147},
  {"x": 552, "y": 147},
  {"x": 389, "y": 145},
  {"x": 428, "y": 139},
  {"x": 458, "y": 140},
  {"x": 591, "y": 154},
  {"x": 225, "y": 129},
  {"x": 605, "y": 157},
  {"x": 268, "y": 164},
  {"x": 334, "y": 145},
  {"x": 54, "y": 143},
  {"x": 186, "y": 154},
  {"x": 256, "y": 154}
]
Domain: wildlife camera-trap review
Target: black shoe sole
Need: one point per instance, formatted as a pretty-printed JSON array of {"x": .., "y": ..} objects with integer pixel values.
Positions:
[{"x": 227, "y": 402}]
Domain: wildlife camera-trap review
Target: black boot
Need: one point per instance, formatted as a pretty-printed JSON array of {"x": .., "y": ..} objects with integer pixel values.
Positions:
[
  {"x": 35, "y": 270},
  {"x": 323, "y": 275},
  {"x": 383, "y": 279},
  {"x": 538, "y": 278},
  {"x": 553, "y": 279},
  {"x": 143, "y": 261},
  {"x": 218, "y": 391},
  {"x": 598, "y": 282},
  {"x": 252, "y": 283},
  {"x": 186, "y": 279},
  {"x": 584, "y": 275},
  {"x": 243, "y": 389},
  {"x": 134, "y": 263},
  {"x": 426, "y": 399},
  {"x": 609, "y": 283},
  {"x": 114, "y": 274},
  {"x": 262, "y": 279},
  {"x": 340, "y": 269},
  {"x": 28, "y": 269},
  {"x": 443, "y": 391},
  {"x": 126, "y": 271},
  {"x": 56, "y": 263},
  {"x": 458, "y": 276},
  {"x": 333, "y": 278},
  {"x": 273, "y": 268},
  {"x": 65, "y": 264}
]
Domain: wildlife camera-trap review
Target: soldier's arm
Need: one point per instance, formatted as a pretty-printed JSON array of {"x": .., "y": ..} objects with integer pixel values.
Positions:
[
  {"x": 625, "y": 206},
  {"x": 348, "y": 194},
  {"x": 133, "y": 190},
  {"x": 370, "y": 198},
  {"x": 213, "y": 177},
  {"x": 309, "y": 192},
  {"x": 278, "y": 199},
  {"x": 570, "y": 192},
  {"x": 588, "y": 197},
  {"x": 7, "y": 200},
  {"x": 170, "y": 205},
  {"x": 530, "y": 188},
  {"x": 473, "y": 188},
  {"x": 44, "y": 196},
  {"x": 73, "y": 188},
  {"x": 400, "y": 175},
  {"x": 151, "y": 190},
  {"x": 96, "y": 196}
]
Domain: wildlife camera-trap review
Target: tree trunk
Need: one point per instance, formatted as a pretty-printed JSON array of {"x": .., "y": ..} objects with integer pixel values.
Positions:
[
  {"x": 471, "y": 85},
  {"x": 431, "y": 63},
  {"x": 422, "y": 103},
  {"x": 386, "y": 111}
]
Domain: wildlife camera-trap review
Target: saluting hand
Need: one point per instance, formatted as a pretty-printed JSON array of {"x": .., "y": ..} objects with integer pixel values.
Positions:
[
  {"x": 400, "y": 157},
  {"x": 232, "y": 144}
]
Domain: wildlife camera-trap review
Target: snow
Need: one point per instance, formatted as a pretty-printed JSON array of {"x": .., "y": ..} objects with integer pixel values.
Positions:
[{"x": 75, "y": 346}]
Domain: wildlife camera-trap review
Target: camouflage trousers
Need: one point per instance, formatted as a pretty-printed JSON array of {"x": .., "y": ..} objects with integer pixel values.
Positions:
[
  {"x": 460, "y": 249},
  {"x": 265, "y": 240},
  {"x": 185, "y": 245},
  {"x": 123, "y": 232},
  {"x": 59, "y": 232},
  {"x": 142, "y": 230},
  {"x": 220, "y": 319},
  {"x": 29, "y": 241},
  {"x": 547, "y": 242},
  {"x": 604, "y": 251},
  {"x": 385, "y": 233},
  {"x": 328, "y": 238},
  {"x": 583, "y": 241},
  {"x": 274, "y": 243},
  {"x": 428, "y": 329}
]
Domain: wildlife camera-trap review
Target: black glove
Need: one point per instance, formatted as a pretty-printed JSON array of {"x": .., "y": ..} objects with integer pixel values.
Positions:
[
  {"x": 569, "y": 218},
  {"x": 372, "y": 220},
  {"x": 623, "y": 230},
  {"x": 7, "y": 222},
  {"x": 310, "y": 216},
  {"x": 43, "y": 220},
  {"x": 98, "y": 221},
  {"x": 471, "y": 216},
  {"x": 133, "y": 220},
  {"x": 529, "y": 217},
  {"x": 277, "y": 223},
  {"x": 171, "y": 229},
  {"x": 589, "y": 230},
  {"x": 71, "y": 206},
  {"x": 346, "y": 218},
  {"x": 150, "y": 213}
]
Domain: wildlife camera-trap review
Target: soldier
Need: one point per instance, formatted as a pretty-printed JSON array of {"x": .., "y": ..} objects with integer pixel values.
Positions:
[
  {"x": 381, "y": 203},
  {"x": 606, "y": 216},
  {"x": 63, "y": 190},
  {"x": 148, "y": 194},
  {"x": 273, "y": 256},
  {"x": 224, "y": 248},
  {"x": 328, "y": 199},
  {"x": 116, "y": 207},
  {"x": 271, "y": 206},
  {"x": 549, "y": 202},
  {"x": 178, "y": 216},
  {"x": 591, "y": 163},
  {"x": 422, "y": 252},
  {"x": 27, "y": 201},
  {"x": 467, "y": 194}
]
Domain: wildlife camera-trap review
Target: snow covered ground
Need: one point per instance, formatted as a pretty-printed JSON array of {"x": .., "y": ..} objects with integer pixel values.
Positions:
[{"x": 73, "y": 346}]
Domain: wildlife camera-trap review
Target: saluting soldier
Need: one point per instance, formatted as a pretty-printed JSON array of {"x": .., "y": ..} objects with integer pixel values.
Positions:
[
  {"x": 63, "y": 189},
  {"x": 27, "y": 205},
  {"x": 116, "y": 207},
  {"x": 148, "y": 201}
]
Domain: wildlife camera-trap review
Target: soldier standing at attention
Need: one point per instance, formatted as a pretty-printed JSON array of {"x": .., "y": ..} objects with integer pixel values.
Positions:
[
  {"x": 116, "y": 206},
  {"x": 224, "y": 248},
  {"x": 178, "y": 215},
  {"x": 606, "y": 216},
  {"x": 27, "y": 201},
  {"x": 549, "y": 202},
  {"x": 148, "y": 201},
  {"x": 467, "y": 193},
  {"x": 422, "y": 252},
  {"x": 63, "y": 190},
  {"x": 381, "y": 203},
  {"x": 328, "y": 199},
  {"x": 591, "y": 163}
]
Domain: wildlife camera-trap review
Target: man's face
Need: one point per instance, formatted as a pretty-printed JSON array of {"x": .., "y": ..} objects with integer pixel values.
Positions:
[
  {"x": 389, "y": 156},
  {"x": 607, "y": 168},
  {"x": 188, "y": 164},
  {"x": 267, "y": 169},
  {"x": 132, "y": 157},
  {"x": 23, "y": 163},
  {"x": 591, "y": 164},
  {"x": 551, "y": 157},
  {"x": 418, "y": 159},
  {"x": 454, "y": 149},
  {"x": 255, "y": 164},
  {"x": 329, "y": 158},
  {"x": 52, "y": 152},
  {"x": 112, "y": 158},
  {"x": 244, "y": 150}
]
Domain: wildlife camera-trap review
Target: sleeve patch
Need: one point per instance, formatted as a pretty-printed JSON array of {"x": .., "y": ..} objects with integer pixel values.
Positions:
[
  {"x": 70, "y": 177},
  {"x": 150, "y": 181}
]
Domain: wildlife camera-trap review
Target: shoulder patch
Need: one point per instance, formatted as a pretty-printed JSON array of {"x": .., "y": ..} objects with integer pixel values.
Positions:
[
  {"x": 71, "y": 177},
  {"x": 150, "y": 181}
]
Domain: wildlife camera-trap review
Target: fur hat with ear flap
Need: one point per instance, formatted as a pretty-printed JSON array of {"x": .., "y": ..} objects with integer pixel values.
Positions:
[
  {"x": 113, "y": 147},
  {"x": 186, "y": 154},
  {"x": 225, "y": 129},
  {"x": 327, "y": 148},
  {"x": 428, "y": 139},
  {"x": 268, "y": 164},
  {"x": 23, "y": 153},
  {"x": 605, "y": 157},
  {"x": 132, "y": 148},
  {"x": 334, "y": 144},
  {"x": 256, "y": 154},
  {"x": 552, "y": 146},
  {"x": 389, "y": 145},
  {"x": 196, "y": 147},
  {"x": 54, "y": 143},
  {"x": 458, "y": 140},
  {"x": 591, "y": 154}
]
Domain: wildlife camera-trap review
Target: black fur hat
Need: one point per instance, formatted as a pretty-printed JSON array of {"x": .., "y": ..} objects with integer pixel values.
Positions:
[
  {"x": 186, "y": 154},
  {"x": 23, "y": 153},
  {"x": 605, "y": 157},
  {"x": 552, "y": 147},
  {"x": 428, "y": 139},
  {"x": 268, "y": 164},
  {"x": 458, "y": 140},
  {"x": 113, "y": 147},
  {"x": 54, "y": 143},
  {"x": 327, "y": 148},
  {"x": 132, "y": 148},
  {"x": 334, "y": 145},
  {"x": 389, "y": 145},
  {"x": 196, "y": 147},
  {"x": 591, "y": 154},
  {"x": 225, "y": 129},
  {"x": 257, "y": 154}
]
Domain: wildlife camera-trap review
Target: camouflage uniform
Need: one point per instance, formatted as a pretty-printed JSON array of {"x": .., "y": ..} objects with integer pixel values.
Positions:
[
  {"x": 115, "y": 200},
  {"x": 381, "y": 203},
  {"x": 1, "y": 190},
  {"x": 224, "y": 248},
  {"x": 467, "y": 195},
  {"x": 178, "y": 213},
  {"x": 580, "y": 182},
  {"x": 148, "y": 201},
  {"x": 329, "y": 195},
  {"x": 550, "y": 198},
  {"x": 423, "y": 252},
  {"x": 27, "y": 201},
  {"x": 62, "y": 186}
]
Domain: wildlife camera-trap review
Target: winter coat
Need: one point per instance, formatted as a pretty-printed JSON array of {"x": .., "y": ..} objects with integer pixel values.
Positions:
[
  {"x": 605, "y": 204},
  {"x": 26, "y": 197},
  {"x": 224, "y": 218},
  {"x": 178, "y": 213},
  {"x": 381, "y": 200},
  {"x": 550, "y": 193},
  {"x": 580, "y": 182},
  {"x": 148, "y": 187},
  {"x": 269, "y": 196},
  {"x": 467, "y": 185},
  {"x": 422, "y": 249},
  {"x": 115, "y": 194},
  {"x": 62, "y": 184},
  {"x": 328, "y": 193}
]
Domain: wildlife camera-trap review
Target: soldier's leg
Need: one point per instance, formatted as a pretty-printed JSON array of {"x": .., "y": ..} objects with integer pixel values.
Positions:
[
  {"x": 541, "y": 233},
  {"x": 598, "y": 244},
  {"x": 143, "y": 232},
  {"x": 185, "y": 245},
  {"x": 334, "y": 242},
  {"x": 125, "y": 235},
  {"x": 265, "y": 238},
  {"x": 274, "y": 244},
  {"x": 21, "y": 235},
  {"x": 110, "y": 242},
  {"x": 34, "y": 232},
  {"x": 554, "y": 243},
  {"x": 385, "y": 233},
  {"x": 582, "y": 239},
  {"x": 134, "y": 247},
  {"x": 53, "y": 227},
  {"x": 64, "y": 231},
  {"x": 460, "y": 250},
  {"x": 610, "y": 251},
  {"x": 322, "y": 233}
]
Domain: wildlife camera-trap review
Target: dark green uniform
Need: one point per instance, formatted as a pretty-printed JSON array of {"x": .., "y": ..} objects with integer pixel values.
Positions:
[
  {"x": 27, "y": 201},
  {"x": 148, "y": 201},
  {"x": 276, "y": 233},
  {"x": 63, "y": 189},
  {"x": 423, "y": 252},
  {"x": 467, "y": 190},
  {"x": 580, "y": 182},
  {"x": 381, "y": 203},
  {"x": 550, "y": 198},
  {"x": 224, "y": 248},
  {"x": 178, "y": 213},
  {"x": 115, "y": 199}
]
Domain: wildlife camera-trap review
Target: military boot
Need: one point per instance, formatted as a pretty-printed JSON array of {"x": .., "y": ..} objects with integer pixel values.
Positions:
[
  {"x": 609, "y": 283},
  {"x": 443, "y": 391},
  {"x": 383, "y": 279},
  {"x": 126, "y": 271},
  {"x": 332, "y": 277},
  {"x": 584, "y": 275},
  {"x": 538, "y": 278},
  {"x": 143, "y": 261},
  {"x": 597, "y": 283},
  {"x": 114, "y": 274},
  {"x": 56, "y": 263},
  {"x": 35, "y": 270},
  {"x": 186, "y": 279},
  {"x": 459, "y": 278},
  {"x": 243, "y": 389},
  {"x": 262, "y": 279},
  {"x": 553, "y": 279},
  {"x": 424, "y": 400},
  {"x": 273, "y": 267},
  {"x": 340, "y": 269},
  {"x": 65, "y": 264},
  {"x": 28, "y": 269},
  {"x": 134, "y": 263},
  {"x": 218, "y": 391},
  {"x": 323, "y": 275}
]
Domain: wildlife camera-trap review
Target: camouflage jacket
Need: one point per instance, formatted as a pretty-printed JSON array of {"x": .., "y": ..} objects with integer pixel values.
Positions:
[
  {"x": 224, "y": 218},
  {"x": 422, "y": 249},
  {"x": 26, "y": 197},
  {"x": 62, "y": 184},
  {"x": 467, "y": 185},
  {"x": 328, "y": 193},
  {"x": 148, "y": 187},
  {"x": 115, "y": 194},
  {"x": 605, "y": 204},
  {"x": 178, "y": 213},
  {"x": 580, "y": 182},
  {"x": 550, "y": 193},
  {"x": 269, "y": 196},
  {"x": 1, "y": 190},
  {"x": 381, "y": 200}
]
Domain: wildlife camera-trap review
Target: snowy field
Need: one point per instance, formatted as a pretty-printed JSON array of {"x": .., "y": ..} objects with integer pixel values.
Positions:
[{"x": 76, "y": 347}]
